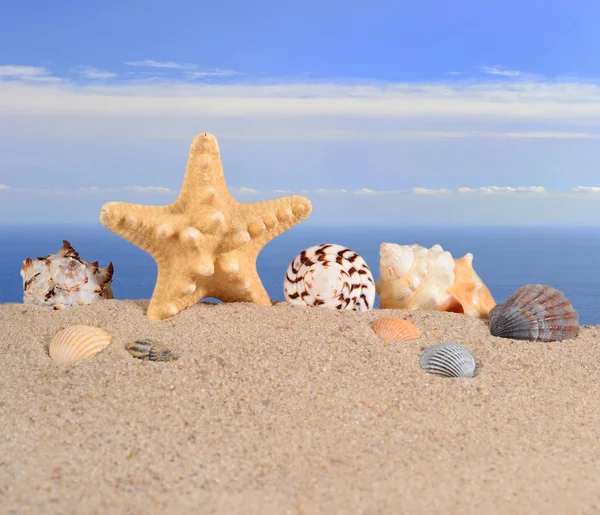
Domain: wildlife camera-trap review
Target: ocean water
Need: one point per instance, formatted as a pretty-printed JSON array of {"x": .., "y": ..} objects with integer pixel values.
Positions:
[{"x": 567, "y": 258}]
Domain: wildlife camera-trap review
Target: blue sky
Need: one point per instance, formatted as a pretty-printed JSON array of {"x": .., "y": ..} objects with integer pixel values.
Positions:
[{"x": 409, "y": 112}]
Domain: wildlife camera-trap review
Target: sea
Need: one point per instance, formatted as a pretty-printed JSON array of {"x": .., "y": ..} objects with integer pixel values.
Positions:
[{"x": 567, "y": 258}]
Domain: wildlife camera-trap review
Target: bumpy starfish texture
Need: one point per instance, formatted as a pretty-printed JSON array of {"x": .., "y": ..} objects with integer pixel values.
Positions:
[{"x": 205, "y": 243}]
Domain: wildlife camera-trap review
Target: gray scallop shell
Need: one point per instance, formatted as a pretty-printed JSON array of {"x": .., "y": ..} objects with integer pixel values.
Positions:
[
  {"x": 448, "y": 360},
  {"x": 537, "y": 313}
]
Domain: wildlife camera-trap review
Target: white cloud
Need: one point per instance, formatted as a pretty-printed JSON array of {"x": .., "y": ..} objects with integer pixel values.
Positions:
[
  {"x": 489, "y": 190},
  {"x": 496, "y": 70},
  {"x": 586, "y": 189},
  {"x": 365, "y": 191},
  {"x": 27, "y": 73},
  {"x": 149, "y": 63},
  {"x": 247, "y": 191},
  {"x": 428, "y": 191},
  {"x": 283, "y": 192},
  {"x": 133, "y": 107},
  {"x": 537, "y": 191},
  {"x": 89, "y": 72},
  {"x": 214, "y": 73},
  {"x": 148, "y": 189},
  {"x": 519, "y": 101}
]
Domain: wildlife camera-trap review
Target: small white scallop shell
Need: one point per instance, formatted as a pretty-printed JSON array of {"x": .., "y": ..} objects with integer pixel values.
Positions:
[
  {"x": 329, "y": 276},
  {"x": 448, "y": 360},
  {"x": 78, "y": 342}
]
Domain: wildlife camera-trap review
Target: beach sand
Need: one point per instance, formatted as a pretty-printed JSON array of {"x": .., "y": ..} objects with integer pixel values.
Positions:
[{"x": 291, "y": 410}]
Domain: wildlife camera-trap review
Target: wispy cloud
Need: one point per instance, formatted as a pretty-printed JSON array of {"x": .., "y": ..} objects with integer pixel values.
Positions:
[
  {"x": 238, "y": 107},
  {"x": 27, "y": 73},
  {"x": 429, "y": 191},
  {"x": 538, "y": 191},
  {"x": 149, "y": 63},
  {"x": 586, "y": 189},
  {"x": 89, "y": 72},
  {"x": 496, "y": 70},
  {"x": 519, "y": 102},
  {"x": 148, "y": 189},
  {"x": 214, "y": 73},
  {"x": 282, "y": 192},
  {"x": 247, "y": 191},
  {"x": 490, "y": 190}
]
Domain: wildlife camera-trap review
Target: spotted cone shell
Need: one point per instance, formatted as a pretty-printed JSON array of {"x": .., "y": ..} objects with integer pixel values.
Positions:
[
  {"x": 394, "y": 329},
  {"x": 329, "y": 276},
  {"x": 448, "y": 360},
  {"x": 78, "y": 342},
  {"x": 537, "y": 313}
]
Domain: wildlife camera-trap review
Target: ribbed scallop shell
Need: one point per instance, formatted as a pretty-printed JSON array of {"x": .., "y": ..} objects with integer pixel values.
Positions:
[
  {"x": 78, "y": 342},
  {"x": 329, "y": 276},
  {"x": 537, "y": 313},
  {"x": 448, "y": 360},
  {"x": 394, "y": 329},
  {"x": 149, "y": 350}
]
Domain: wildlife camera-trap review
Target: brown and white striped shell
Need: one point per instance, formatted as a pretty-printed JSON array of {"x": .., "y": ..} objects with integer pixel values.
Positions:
[
  {"x": 395, "y": 329},
  {"x": 537, "y": 313},
  {"x": 78, "y": 342},
  {"x": 330, "y": 276}
]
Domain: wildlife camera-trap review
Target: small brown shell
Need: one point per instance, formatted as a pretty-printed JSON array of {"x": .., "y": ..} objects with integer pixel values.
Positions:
[
  {"x": 394, "y": 329},
  {"x": 78, "y": 342}
]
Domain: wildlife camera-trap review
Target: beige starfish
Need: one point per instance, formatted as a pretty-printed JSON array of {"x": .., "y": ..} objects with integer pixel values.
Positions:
[{"x": 205, "y": 243}]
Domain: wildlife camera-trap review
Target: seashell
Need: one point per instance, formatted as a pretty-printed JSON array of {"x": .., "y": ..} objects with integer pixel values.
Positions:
[
  {"x": 329, "y": 276},
  {"x": 468, "y": 294},
  {"x": 448, "y": 360},
  {"x": 64, "y": 279},
  {"x": 535, "y": 312},
  {"x": 149, "y": 350},
  {"x": 78, "y": 342},
  {"x": 394, "y": 329},
  {"x": 414, "y": 277}
]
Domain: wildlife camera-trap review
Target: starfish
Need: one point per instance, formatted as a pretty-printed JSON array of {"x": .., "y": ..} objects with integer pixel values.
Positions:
[{"x": 205, "y": 243}]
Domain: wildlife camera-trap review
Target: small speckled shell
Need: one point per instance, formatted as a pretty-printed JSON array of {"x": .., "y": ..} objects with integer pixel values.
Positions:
[
  {"x": 149, "y": 350},
  {"x": 78, "y": 342},
  {"x": 394, "y": 329},
  {"x": 329, "y": 276},
  {"x": 448, "y": 360},
  {"x": 535, "y": 312}
]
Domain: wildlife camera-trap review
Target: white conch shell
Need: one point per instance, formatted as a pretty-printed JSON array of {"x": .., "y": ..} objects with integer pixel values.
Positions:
[
  {"x": 64, "y": 279},
  {"x": 414, "y": 277},
  {"x": 78, "y": 342}
]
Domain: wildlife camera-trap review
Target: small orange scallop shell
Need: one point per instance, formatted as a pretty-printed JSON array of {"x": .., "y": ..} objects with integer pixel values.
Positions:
[
  {"x": 78, "y": 342},
  {"x": 394, "y": 329}
]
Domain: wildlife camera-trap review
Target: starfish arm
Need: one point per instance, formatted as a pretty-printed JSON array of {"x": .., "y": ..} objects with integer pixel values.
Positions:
[
  {"x": 260, "y": 222},
  {"x": 204, "y": 182},
  {"x": 145, "y": 226},
  {"x": 242, "y": 286},
  {"x": 175, "y": 290}
]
